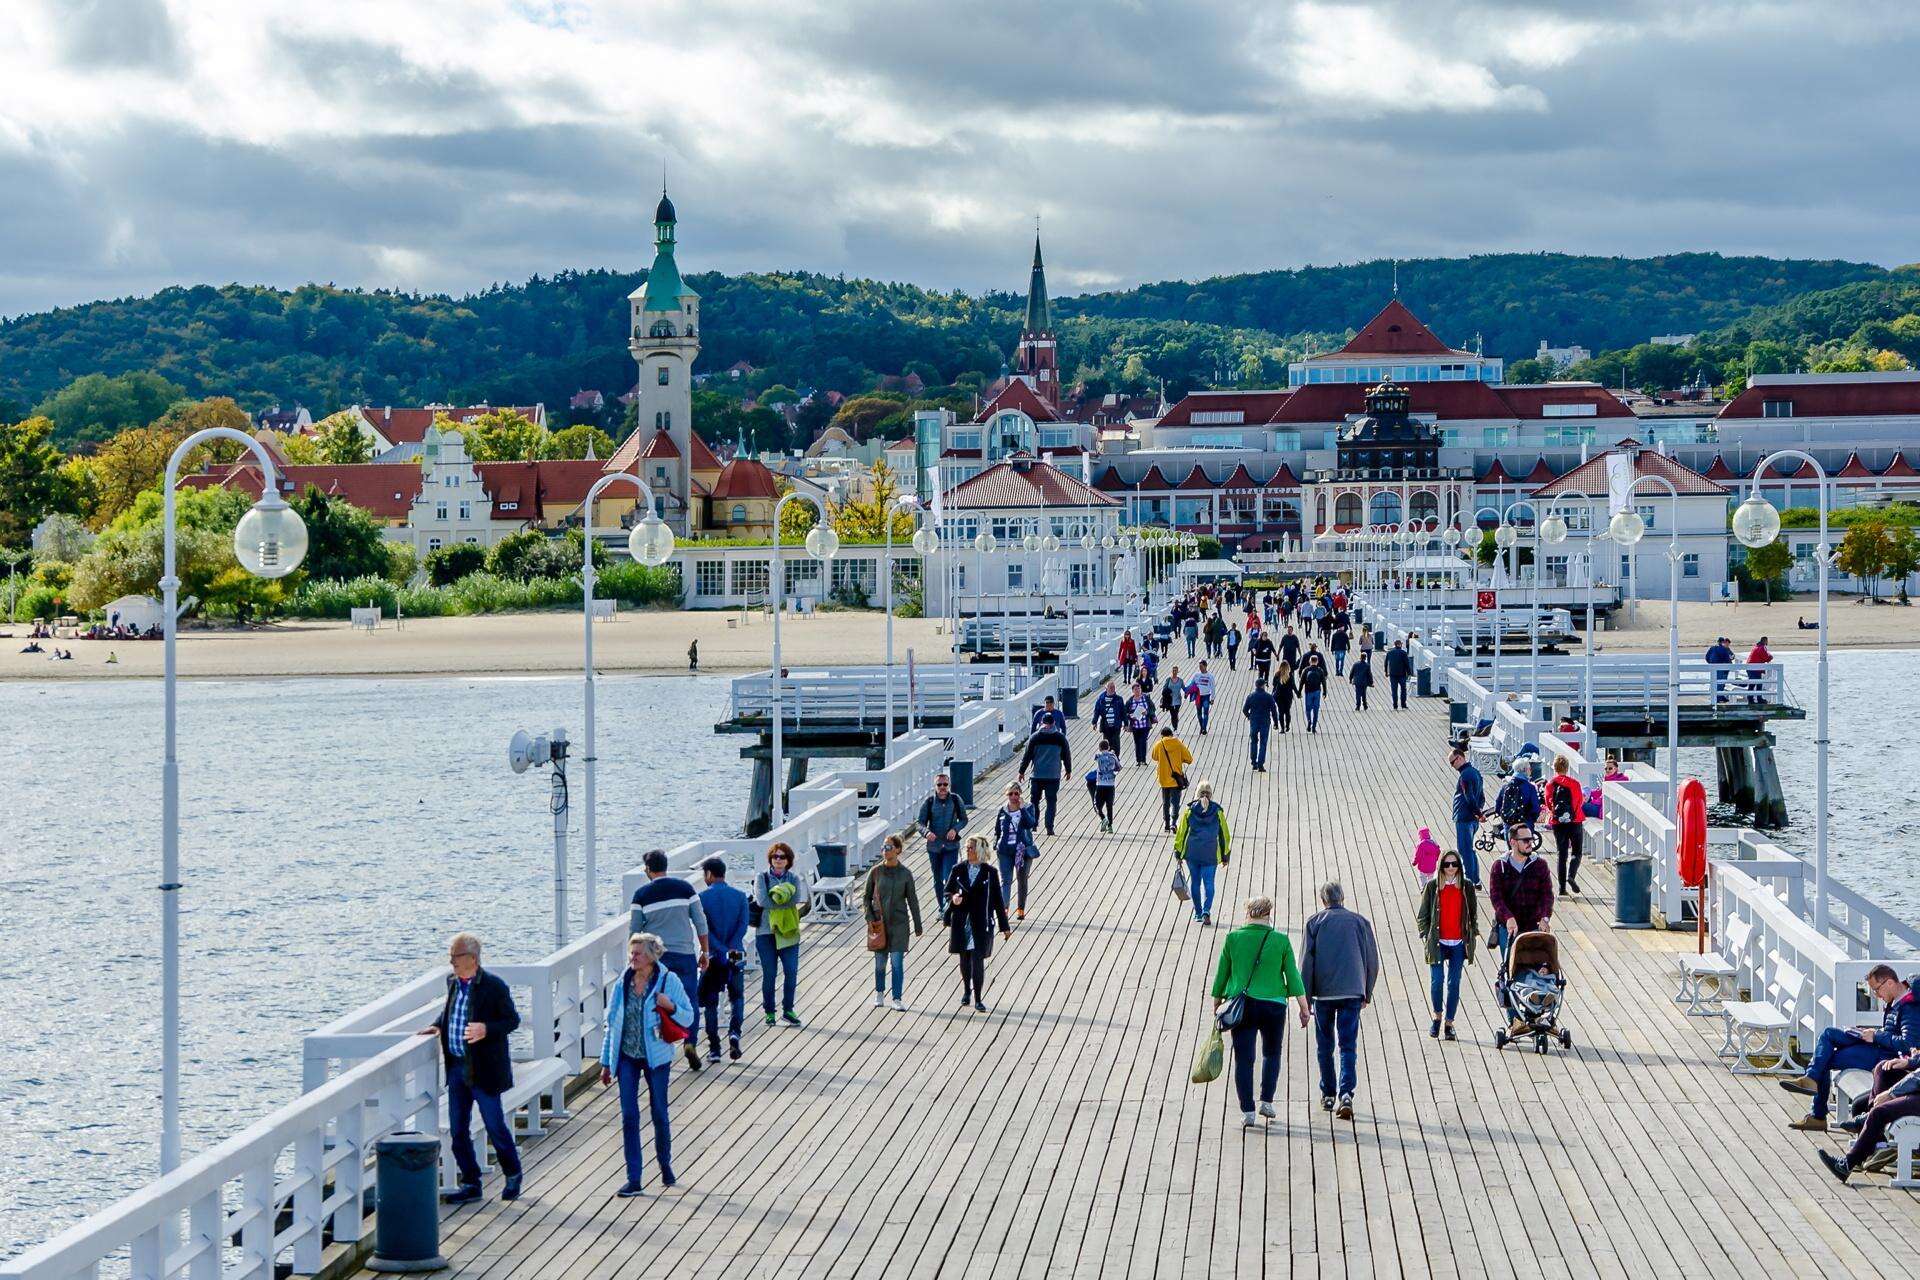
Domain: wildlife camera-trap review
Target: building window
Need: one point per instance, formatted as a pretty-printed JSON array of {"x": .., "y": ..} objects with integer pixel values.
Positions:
[
  {"x": 1626, "y": 565},
  {"x": 959, "y": 577},
  {"x": 750, "y": 578},
  {"x": 710, "y": 577},
  {"x": 439, "y": 511},
  {"x": 663, "y": 421},
  {"x": 466, "y": 511},
  {"x": 1585, "y": 410},
  {"x": 1286, "y": 441},
  {"x": 1496, "y": 437},
  {"x": 663, "y": 375},
  {"x": 1647, "y": 513},
  {"x": 739, "y": 513},
  {"x": 1690, "y": 565},
  {"x": 1776, "y": 408},
  {"x": 1016, "y": 575},
  {"x": 1346, "y": 509},
  {"x": 1218, "y": 417},
  {"x": 433, "y": 544},
  {"x": 450, "y": 480},
  {"x": 660, "y": 474},
  {"x": 802, "y": 577}
]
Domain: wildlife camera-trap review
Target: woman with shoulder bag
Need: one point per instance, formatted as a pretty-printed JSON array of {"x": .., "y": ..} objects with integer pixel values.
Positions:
[
  {"x": 892, "y": 904},
  {"x": 1449, "y": 920},
  {"x": 779, "y": 900},
  {"x": 1013, "y": 827},
  {"x": 647, "y": 1017},
  {"x": 975, "y": 901},
  {"x": 1256, "y": 976}
]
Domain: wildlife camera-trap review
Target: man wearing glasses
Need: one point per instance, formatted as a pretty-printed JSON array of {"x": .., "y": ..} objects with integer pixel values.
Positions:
[
  {"x": 942, "y": 818},
  {"x": 473, "y": 1027},
  {"x": 1859, "y": 1048}
]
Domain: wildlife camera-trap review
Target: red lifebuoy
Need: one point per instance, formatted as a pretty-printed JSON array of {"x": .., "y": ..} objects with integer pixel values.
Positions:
[{"x": 1693, "y": 833}]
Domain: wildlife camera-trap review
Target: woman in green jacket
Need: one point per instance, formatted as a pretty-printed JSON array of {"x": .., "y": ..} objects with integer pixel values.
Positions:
[
  {"x": 893, "y": 901},
  {"x": 1257, "y": 962}
]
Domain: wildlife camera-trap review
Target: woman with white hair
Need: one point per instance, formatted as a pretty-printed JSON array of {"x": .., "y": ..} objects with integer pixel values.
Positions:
[
  {"x": 1257, "y": 968},
  {"x": 648, "y": 1014},
  {"x": 1203, "y": 842}
]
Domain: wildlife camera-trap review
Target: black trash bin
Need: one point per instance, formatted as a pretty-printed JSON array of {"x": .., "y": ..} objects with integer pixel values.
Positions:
[
  {"x": 1070, "y": 702},
  {"x": 960, "y": 773},
  {"x": 832, "y": 860},
  {"x": 406, "y": 1234},
  {"x": 1633, "y": 893}
]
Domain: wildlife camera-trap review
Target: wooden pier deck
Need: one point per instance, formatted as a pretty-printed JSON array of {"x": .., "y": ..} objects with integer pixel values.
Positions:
[{"x": 1058, "y": 1135}]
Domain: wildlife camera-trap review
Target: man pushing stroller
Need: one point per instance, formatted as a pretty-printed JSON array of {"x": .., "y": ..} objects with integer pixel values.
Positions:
[{"x": 1520, "y": 890}]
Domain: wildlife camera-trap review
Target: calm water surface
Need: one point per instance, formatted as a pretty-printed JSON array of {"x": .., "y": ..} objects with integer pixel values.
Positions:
[{"x": 335, "y": 831}]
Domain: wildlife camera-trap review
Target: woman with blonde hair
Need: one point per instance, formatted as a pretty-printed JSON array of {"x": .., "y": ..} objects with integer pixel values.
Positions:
[
  {"x": 976, "y": 901},
  {"x": 1258, "y": 969},
  {"x": 647, "y": 996},
  {"x": 1203, "y": 842}
]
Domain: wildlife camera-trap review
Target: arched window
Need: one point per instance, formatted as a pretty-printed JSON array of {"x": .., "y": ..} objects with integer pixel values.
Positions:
[
  {"x": 1346, "y": 509},
  {"x": 739, "y": 513},
  {"x": 661, "y": 329},
  {"x": 1424, "y": 506},
  {"x": 1320, "y": 512},
  {"x": 1384, "y": 509}
]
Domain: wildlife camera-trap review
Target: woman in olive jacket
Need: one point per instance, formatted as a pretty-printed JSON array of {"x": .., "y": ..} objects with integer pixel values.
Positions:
[
  {"x": 1449, "y": 920},
  {"x": 893, "y": 901},
  {"x": 975, "y": 902}
]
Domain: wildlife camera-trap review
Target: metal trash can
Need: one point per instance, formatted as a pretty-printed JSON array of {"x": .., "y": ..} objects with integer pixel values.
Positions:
[
  {"x": 406, "y": 1234},
  {"x": 1633, "y": 893},
  {"x": 960, "y": 773},
  {"x": 1423, "y": 682},
  {"x": 832, "y": 860},
  {"x": 1457, "y": 726},
  {"x": 1070, "y": 702}
]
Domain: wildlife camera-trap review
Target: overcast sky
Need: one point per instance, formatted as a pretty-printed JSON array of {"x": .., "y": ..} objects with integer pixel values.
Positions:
[{"x": 449, "y": 144}]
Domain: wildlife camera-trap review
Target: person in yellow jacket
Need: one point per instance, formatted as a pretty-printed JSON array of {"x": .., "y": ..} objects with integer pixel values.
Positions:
[
  {"x": 1171, "y": 758},
  {"x": 1204, "y": 843}
]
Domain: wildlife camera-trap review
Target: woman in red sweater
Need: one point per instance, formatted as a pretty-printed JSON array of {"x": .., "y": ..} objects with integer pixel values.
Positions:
[
  {"x": 1449, "y": 919},
  {"x": 1566, "y": 810}
]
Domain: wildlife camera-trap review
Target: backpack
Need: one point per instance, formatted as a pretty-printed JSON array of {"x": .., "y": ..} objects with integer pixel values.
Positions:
[
  {"x": 1513, "y": 804},
  {"x": 1563, "y": 813}
]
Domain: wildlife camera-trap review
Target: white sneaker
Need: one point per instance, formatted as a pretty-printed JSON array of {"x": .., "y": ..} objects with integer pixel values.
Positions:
[
  {"x": 1249, "y": 1119},
  {"x": 1266, "y": 1109},
  {"x": 899, "y": 1006},
  {"x": 878, "y": 1000}
]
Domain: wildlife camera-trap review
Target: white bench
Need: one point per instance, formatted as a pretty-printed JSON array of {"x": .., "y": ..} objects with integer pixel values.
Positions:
[
  {"x": 363, "y": 619},
  {"x": 1763, "y": 1028},
  {"x": 1905, "y": 1137},
  {"x": 605, "y": 610},
  {"x": 1850, "y": 1089},
  {"x": 832, "y": 899},
  {"x": 1696, "y": 971},
  {"x": 532, "y": 1080}
]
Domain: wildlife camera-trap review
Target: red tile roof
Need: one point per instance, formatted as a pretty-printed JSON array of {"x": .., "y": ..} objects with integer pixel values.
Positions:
[
  {"x": 1531, "y": 402},
  {"x": 1154, "y": 479},
  {"x": 745, "y": 478},
  {"x": 408, "y": 425},
  {"x": 1591, "y": 476},
  {"x": 1496, "y": 474},
  {"x": 1024, "y": 482},
  {"x": 1017, "y": 395},
  {"x": 1395, "y": 332},
  {"x": 1899, "y": 466},
  {"x": 1110, "y": 481},
  {"x": 532, "y": 486},
  {"x": 1829, "y": 399},
  {"x": 1196, "y": 479},
  {"x": 703, "y": 458},
  {"x": 1719, "y": 470},
  {"x": 1283, "y": 478},
  {"x": 1257, "y": 406},
  {"x": 661, "y": 445},
  {"x": 1240, "y": 479},
  {"x": 1853, "y": 467},
  {"x": 1541, "y": 472},
  {"x": 1336, "y": 401},
  {"x": 384, "y": 489}
]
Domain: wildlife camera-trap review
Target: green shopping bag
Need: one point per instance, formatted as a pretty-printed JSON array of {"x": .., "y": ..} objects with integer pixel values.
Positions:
[{"x": 1211, "y": 1060}]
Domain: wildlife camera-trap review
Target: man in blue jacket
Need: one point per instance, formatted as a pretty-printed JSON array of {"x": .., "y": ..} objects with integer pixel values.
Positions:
[
  {"x": 726, "y": 909},
  {"x": 1469, "y": 806},
  {"x": 1109, "y": 715},
  {"x": 1719, "y": 654},
  {"x": 1262, "y": 711},
  {"x": 1859, "y": 1048}
]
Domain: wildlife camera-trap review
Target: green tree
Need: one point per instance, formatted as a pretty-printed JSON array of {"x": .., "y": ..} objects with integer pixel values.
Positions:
[
  {"x": 1768, "y": 565},
  {"x": 60, "y": 539},
  {"x": 529, "y": 554},
  {"x": 1864, "y": 552},
  {"x": 1531, "y": 370},
  {"x": 32, "y": 484},
  {"x": 453, "y": 562},
  {"x": 1902, "y": 559},
  {"x": 504, "y": 435},
  {"x": 865, "y": 520},
  {"x": 575, "y": 441},
  {"x": 94, "y": 407},
  {"x": 778, "y": 394},
  {"x": 862, "y": 416},
  {"x": 343, "y": 542},
  {"x": 128, "y": 465},
  {"x": 339, "y": 438},
  {"x": 184, "y": 417}
]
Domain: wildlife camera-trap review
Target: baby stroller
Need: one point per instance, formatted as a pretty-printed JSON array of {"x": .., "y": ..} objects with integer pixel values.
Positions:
[
  {"x": 1491, "y": 837},
  {"x": 1531, "y": 991}
]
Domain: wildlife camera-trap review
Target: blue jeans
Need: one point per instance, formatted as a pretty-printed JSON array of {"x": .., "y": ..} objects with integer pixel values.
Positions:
[
  {"x": 686, "y": 966},
  {"x": 943, "y": 861},
  {"x": 1840, "y": 1050},
  {"x": 1046, "y": 798},
  {"x": 629, "y": 1075},
  {"x": 1465, "y": 832},
  {"x": 1200, "y": 888},
  {"x": 1313, "y": 711},
  {"x": 461, "y": 1099},
  {"x": 1257, "y": 746},
  {"x": 1337, "y": 1019},
  {"x": 1446, "y": 978},
  {"x": 723, "y": 975},
  {"x": 1013, "y": 881},
  {"x": 1190, "y": 638},
  {"x": 1203, "y": 707},
  {"x": 1339, "y": 662},
  {"x": 787, "y": 960},
  {"x": 880, "y": 966}
]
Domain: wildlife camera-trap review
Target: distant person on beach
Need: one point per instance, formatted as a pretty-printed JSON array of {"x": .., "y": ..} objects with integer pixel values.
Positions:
[
  {"x": 975, "y": 903},
  {"x": 893, "y": 903},
  {"x": 475, "y": 1020},
  {"x": 693, "y": 657},
  {"x": 778, "y": 896},
  {"x": 636, "y": 1047},
  {"x": 668, "y": 907},
  {"x": 1256, "y": 963},
  {"x": 726, "y": 909},
  {"x": 943, "y": 816}
]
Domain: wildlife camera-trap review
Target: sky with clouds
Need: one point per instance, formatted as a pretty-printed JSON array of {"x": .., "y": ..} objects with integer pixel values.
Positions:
[{"x": 448, "y": 144}]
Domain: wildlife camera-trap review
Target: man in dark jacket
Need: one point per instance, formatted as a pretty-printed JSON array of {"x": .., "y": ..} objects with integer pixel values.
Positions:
[
  {"x": 473, "y": 1027},
  {"x": 942, "y": 818},
  {"x": 1520, "y": 890},
  {"x": 1719, "y": 654},
  {"x": 668, "y": 906},
  {"x": 1860, "y": 1048},
  {"x": 1260, "y": 653},
  {"x": 1109, "y": 716},
  {"x": 1049, "y": 756},
  {"x": 1399, "y": 665},
  {"x": 726, "y": 909},
  {"x": 1469, "y": 806},
  {"x": 1262, "y": 712},
  {"x": 1339, "y": 964},
  {"x": 1290, "y": 647}
]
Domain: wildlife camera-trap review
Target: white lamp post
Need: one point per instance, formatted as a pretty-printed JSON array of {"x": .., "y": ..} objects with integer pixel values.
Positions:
[
  {"x": 1755, "y": 524},
  {"x": 1533, "y": 593},
  {"x": 1494, "y": 632},
  {"x": 822, "y": 544},
  {"x": 270, "y": 541},
  {"x": 910, "y": 504},
  {"x": 1627, "y": 528},
  {"x": 649, "y": 542},
  {"x": 1553, "y": 531}
]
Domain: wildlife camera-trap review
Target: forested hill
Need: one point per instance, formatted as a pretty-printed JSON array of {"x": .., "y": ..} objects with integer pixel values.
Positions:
[{"x": 543, "y": 340}]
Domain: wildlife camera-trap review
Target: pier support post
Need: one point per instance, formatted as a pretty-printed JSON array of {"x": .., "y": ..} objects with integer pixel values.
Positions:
[
  {"x": 760, "y": 797},
  {"x": 1769, "y": 801}
]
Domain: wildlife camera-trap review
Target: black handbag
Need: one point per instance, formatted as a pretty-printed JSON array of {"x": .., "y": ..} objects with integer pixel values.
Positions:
[{"x": 1234, "y": 1010}]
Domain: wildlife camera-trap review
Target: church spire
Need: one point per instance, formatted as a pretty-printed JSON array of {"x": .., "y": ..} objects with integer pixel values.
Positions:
[{"x": 1039, "y": 315}]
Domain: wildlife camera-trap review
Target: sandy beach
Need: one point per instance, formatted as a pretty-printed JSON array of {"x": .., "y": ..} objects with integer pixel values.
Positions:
[
  {"x": 646, "y": 641},
  {"x": 655, "y": 642}
]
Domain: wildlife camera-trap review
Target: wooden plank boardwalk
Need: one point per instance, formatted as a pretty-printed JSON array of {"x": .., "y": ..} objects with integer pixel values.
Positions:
[{"x": 1058, "y": 1135}]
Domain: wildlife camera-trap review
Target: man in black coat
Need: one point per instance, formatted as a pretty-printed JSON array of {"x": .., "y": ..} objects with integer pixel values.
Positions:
[
  {"x": 1399, "y": 666},
  {"x": 473, "y": 1027}
]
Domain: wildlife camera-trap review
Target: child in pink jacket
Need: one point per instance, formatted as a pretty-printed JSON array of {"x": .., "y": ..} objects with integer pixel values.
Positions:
[{"x": 1426, "y": 855}]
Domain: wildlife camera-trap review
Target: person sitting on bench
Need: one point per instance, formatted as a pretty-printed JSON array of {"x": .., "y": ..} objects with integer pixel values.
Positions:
[
  {"x": 1895, "y": 1096},
  {"x": 1861, "y": 1049}
]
